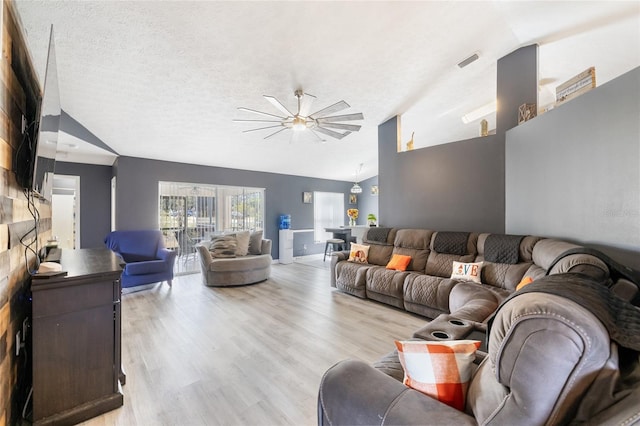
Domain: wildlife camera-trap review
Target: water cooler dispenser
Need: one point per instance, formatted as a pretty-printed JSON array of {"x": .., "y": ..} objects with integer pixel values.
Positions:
[{"x": 286, "y": 240}]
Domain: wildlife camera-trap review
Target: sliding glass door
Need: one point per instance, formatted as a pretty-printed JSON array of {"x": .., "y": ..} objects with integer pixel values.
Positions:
[{"x": 191, "y": 213}]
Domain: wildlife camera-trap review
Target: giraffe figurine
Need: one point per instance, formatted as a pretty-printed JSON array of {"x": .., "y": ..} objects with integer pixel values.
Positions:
[{"x": 410, "y": 143}]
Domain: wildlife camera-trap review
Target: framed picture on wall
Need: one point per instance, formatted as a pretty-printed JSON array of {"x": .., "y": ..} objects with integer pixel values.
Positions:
[
  {"x": 353, "y": 199},
  {"x": 374, "y": 189},
  {"x": 307, "y": 197}
]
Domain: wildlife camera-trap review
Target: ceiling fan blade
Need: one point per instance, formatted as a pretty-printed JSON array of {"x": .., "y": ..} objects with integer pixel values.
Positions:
[
  {"x": 305, "y": 104},
  {"x": 276, "y": 103},
  {"x": 262, "y": 128},
  {"x": 346, "y": 117},
  {"x": 331, "y": 132},
  {"x": 275, "y": 133},
  {"x": 237, "y": 120},
  {"x": 338, "y": 106},
  {"x": 351, "y": 127},
  {"x": 317, "y": 136},
  {"x": 259, "y": 112}
]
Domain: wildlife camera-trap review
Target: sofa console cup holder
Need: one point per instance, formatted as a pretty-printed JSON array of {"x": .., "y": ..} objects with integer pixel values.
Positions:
[
  {"x": 440, "y": 335},
  {"x": 447, "y": 327}
]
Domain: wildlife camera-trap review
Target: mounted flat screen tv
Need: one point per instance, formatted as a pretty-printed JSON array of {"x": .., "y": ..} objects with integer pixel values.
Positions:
[{"x": 36, "y": 156}]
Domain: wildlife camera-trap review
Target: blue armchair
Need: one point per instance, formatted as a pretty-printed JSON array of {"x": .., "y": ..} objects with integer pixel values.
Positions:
[{"x": 147, "y": 260}]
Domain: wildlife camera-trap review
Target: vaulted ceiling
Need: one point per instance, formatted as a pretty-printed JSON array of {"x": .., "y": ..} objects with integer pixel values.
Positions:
[{"x": 163, "y": 79}]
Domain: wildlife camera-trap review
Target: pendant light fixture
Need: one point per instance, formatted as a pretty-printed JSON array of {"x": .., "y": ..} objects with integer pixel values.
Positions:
[{"x": 356, "y": 188}]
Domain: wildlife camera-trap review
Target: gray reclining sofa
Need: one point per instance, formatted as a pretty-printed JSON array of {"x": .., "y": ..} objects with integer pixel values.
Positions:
[
  {"x": 549, "y": 359},
  {"x": 426, "y": 287}
]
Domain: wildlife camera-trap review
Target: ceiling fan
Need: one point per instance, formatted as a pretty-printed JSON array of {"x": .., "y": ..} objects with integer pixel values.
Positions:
[{"x": 318, "y": 122}]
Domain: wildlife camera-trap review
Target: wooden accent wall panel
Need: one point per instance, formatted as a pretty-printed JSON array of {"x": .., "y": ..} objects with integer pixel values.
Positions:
[{"x": 19, "y": 89}]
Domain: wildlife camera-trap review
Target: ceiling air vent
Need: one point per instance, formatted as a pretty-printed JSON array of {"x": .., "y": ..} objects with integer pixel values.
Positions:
[{"x": 468, "y": 60}]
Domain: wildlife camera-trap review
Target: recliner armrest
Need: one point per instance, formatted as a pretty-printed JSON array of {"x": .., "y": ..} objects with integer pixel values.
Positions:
[
  {"x": 146, "y": 267},
  {"x": 166, "y": 254},
  {"x": 336, "y": 257},
  {"x": 354, "y": 393}
]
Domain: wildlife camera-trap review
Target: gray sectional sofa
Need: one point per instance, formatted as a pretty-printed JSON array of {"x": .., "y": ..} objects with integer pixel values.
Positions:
[
  {"x": 426, "y": 287},
  {"x": 563, "y": 350}
]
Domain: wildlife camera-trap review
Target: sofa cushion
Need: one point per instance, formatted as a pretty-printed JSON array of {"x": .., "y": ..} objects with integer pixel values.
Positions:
[
  {"x": 379, "y": 251},
  {"x": 223, "y": 247},
  {"x": 414, "y": 243},
  {"x": 145, "y": 267},
  {"x": 379, "y": 235},
  {"x": 441, "y": 264},
  {"x": 500, "y": 248},
  {"x": 255, "y": 242},
  {"x": 385, "y": 285},
  {"x": 399, "y": 262},
  {"x": 241, "y": 264},
  {"x": 441, "y": 370},
  {"x": 451, "y": 242},
  {"x": 351, "y": 278},
  {"x": 467, "y": 271},
  {"x": 135, "y": 246},
  {"x": 359, "y": 253},
  {"x": 380, "y": 254},
  {"x": 547, "y": 250},
  {"x": 483, "y": 299},
  {"x": 135, "y": 257},
  {"x": 427, "y": 295},
  {"x": 505, "y": 275},
  {"x": 242, "y": 242}
]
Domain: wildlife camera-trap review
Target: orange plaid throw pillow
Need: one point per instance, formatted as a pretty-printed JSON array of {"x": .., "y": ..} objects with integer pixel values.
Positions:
[{"x": 441, "y": 370}]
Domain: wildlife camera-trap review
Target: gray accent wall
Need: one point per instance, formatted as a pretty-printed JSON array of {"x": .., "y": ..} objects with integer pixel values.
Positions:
[
  {"x": 450, "y": 187},
  {"x": 457, "y": 186},
  {"x": 574, "y": 172},
  {"x": 137, "y": 195},
  {"x": 367, "y": 202},
  {"x": 95, "y": 200}
]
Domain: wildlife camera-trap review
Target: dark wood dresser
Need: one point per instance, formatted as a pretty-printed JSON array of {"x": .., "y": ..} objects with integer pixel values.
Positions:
[{"x": 76, "y": 339}]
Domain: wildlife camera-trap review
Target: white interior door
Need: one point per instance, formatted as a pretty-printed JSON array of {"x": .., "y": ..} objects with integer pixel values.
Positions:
[
  {"x": 62, "y": 220},
  {"x": 65, "y": 211}
]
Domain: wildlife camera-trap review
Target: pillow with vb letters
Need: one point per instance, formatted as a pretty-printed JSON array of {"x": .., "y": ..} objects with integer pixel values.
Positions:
[
  {"x": 359, "y": 253},
  {"x": 441, "y": 370},
  {"x": 467, "y": 271},
  {"x": 399, "y": 262}
]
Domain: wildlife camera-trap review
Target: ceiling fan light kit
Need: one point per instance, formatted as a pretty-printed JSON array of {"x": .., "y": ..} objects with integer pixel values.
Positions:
[{"x": 320, "y": 121}]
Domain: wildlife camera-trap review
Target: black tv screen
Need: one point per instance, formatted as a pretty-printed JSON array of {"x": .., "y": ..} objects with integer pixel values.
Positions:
[
  {"x": 47, "y": 139},
  {"x": 35, "y": 158}
]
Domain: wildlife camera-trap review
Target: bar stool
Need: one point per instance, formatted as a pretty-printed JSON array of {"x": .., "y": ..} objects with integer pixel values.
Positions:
[
  {"x": 336, "y": 244},
  {"x": 352, "y": 240}
]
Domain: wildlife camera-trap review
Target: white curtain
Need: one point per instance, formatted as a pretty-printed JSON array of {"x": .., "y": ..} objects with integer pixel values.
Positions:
[{"x": 328, "y": 212}]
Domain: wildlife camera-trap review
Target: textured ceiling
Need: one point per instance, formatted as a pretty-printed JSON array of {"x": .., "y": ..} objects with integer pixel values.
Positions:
[{"x": 164, "y": 79}]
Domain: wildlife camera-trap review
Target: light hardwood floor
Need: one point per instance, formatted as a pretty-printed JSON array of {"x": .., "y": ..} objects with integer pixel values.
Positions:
[{"x": 253, "y": 355}]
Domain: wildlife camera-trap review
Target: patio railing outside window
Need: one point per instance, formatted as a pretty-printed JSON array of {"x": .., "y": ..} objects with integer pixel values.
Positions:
[{"x": 190, "y": 213}]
